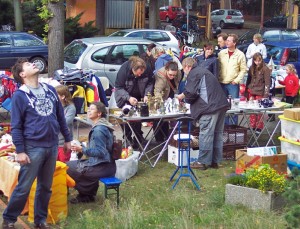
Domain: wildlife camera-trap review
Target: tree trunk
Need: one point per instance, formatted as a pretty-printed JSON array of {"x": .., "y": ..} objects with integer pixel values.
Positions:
[
  {"x": 154, "y": 21},
  {"x": 18, "y": 16},
  {"x": 56, "y": 37},
  {"x": 100, "y": 16}
]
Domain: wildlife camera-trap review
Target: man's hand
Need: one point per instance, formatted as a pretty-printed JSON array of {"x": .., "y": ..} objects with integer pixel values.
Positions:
[
  {"x": 146, "y": 99},
  {"x": 133, "y": 101},
  {"x": 22, "y": 159},
  {"x": 180, "y": 96},
  {"x": 67, "y": 147},
  {"x": 233, "y": 83}
]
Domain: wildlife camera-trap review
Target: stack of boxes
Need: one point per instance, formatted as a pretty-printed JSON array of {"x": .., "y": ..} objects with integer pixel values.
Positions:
[{"x": 290, "y": 135}]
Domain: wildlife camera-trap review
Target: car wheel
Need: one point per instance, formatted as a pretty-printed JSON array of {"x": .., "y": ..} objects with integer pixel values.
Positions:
[
  {"x": 41, "y": 62},
  {"x": 167, "y": 19},
  {"x": 222, "y": 24}
]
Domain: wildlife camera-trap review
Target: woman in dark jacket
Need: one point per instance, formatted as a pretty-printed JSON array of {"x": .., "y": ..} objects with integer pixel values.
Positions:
[{"x": 86, "y": 173}]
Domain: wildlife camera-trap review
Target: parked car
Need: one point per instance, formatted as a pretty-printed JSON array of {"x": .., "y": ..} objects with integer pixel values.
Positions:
[
  {"x": 279, "y": 22},
  {"x": 103, "y": 55},
  {"x": 169, "y": 13},
  {"x": 14, "y": 45},
  {"x": 163, "y": 37},
  {"x": 268, "y": 35},
  {"x": 284, "y": 52},
  {"x": 227, "y": 17}
]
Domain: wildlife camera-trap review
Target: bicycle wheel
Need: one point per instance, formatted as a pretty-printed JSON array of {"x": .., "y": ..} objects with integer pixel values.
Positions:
[{"x": 197, "y": 40}]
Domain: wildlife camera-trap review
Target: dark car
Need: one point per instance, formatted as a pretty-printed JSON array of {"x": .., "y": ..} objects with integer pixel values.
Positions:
[
  {"x": 278, "y": 22},
  {"x": 284, "y": 52},
  {"x": 268, "y": 35},
  {"x": 181, "y": 20},
  {"x": 14, "y": 45}
]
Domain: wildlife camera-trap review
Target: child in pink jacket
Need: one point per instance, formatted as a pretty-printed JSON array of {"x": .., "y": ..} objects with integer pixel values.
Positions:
[{"x": 291, "y": 83}]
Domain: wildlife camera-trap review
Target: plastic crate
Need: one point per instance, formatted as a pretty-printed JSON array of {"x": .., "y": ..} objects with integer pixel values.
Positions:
[
  {"x": 229, "y": 152},
  {"x": 234, "y": 135}
]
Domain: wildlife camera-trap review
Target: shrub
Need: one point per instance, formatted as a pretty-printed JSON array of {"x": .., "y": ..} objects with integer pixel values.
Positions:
[
  {"x": 6, "y": 13},
  {"x": 73, "y": 30},
  {"x": 262, "y": 177}
]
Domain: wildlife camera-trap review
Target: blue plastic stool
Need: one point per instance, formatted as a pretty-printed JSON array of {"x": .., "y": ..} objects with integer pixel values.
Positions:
[
  {"x": 111, "y": 183},
  {"x": 185, "y": 170}
]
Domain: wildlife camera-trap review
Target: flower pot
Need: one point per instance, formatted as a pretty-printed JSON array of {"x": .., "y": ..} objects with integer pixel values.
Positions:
[{"x": 253, "y": 198}]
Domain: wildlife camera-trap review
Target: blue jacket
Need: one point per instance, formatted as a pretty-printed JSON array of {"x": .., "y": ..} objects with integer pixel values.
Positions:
[
  {"x": 37, "y": 124},
  {"x": 161, "y": 61},
  {"x": 100, "y": 143}
]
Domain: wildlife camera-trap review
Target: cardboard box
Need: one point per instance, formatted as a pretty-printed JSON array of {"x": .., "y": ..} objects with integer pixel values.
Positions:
[
  {"x": 243, "y": 161},
  {"x": 173, "y": 156},
  {"x": 292, "y": 113},
  {"x": 262, "y": 151}
]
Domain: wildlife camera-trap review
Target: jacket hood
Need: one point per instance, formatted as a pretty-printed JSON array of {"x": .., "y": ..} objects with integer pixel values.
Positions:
[
  {"x": 166, "y": 57},
  {"x": 104, "y": 122}
]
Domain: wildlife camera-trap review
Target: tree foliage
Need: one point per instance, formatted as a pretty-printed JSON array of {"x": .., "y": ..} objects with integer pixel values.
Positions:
[{"x": 6, "y": 12}]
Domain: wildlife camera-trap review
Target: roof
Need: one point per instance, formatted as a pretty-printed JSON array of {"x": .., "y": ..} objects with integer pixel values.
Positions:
[
  {"x": 284, "y": 44},
  {"x": 134, "y": 30},
  {"x": 94, "y": 40}
]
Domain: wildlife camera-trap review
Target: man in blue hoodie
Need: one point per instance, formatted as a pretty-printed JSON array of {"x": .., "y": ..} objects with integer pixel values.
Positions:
[{"x": 37, "y": 117}]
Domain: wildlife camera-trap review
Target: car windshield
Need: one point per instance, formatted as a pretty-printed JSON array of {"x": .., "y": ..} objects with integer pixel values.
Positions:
[
  {"x": 118, "y": 34},
  {"x": 274, "y": 52},
  {"x": 73, "y": 51}
]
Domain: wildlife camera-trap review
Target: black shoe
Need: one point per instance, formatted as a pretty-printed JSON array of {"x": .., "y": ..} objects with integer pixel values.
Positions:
[
  {"x": 82, "y": 199},
  {"x": 7, "y": 225},
  {"x": 42, "y": 226}
]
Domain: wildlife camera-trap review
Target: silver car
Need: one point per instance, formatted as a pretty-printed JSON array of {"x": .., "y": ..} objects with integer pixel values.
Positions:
[
  {"x": 103, "y": 55},
  {"x": 227, "y": 17},
  {"x": 163, "y": 37}
]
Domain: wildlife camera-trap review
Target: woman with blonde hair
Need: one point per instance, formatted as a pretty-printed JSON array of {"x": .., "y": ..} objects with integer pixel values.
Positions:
[{"x": 70, "y": 111}]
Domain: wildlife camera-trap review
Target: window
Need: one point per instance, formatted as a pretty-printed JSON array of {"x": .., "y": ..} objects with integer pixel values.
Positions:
[
  {"x": 289, "y": 35},
  {"x": 136, "y": 34},
  {"x": 5, "y": 41},
  {"x": 26, "y": 40},
  {"x": 272, "y": 35},
  {"x": 274, "y": 52},
  {"x": 121, "y": 53},
  {"x": 293, "y": 57},
  {"x": 100, "y": 55},
  {"x": 73, "y": 51},
  {"x": 157, "y": 36}
]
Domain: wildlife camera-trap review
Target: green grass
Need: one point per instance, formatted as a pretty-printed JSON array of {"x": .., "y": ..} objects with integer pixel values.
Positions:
[{"x": 147, "y": 201}]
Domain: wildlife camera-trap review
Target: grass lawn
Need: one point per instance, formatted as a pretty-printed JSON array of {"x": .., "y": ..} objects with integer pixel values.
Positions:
[{"x": 147, "y": 201}]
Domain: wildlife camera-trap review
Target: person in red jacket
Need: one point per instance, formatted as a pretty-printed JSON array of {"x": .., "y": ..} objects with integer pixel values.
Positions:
[{"x": 291, "y": 83}]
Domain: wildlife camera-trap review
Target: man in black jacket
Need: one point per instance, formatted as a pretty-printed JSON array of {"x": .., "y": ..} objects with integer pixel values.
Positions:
[
  {"x": 133, "y": 86},
  {"x": 208, "y": 107}
]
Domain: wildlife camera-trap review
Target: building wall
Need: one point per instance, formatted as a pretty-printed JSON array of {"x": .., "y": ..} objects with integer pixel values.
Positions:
[{"x": 75, "y": 7}]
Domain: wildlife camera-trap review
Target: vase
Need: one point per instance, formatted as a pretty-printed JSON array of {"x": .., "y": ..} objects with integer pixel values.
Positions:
[{"x": 253, "y": 198}]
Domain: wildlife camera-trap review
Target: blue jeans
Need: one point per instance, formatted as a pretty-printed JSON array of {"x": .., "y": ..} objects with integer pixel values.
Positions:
[
  {"x": 42, "y": 167},
  {"x": 234, "y": 91},
  {"x": 211, "y": 137}
]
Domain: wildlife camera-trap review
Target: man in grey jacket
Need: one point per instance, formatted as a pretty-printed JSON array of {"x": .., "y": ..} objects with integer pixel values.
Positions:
[{"x": 208, "y": 107}]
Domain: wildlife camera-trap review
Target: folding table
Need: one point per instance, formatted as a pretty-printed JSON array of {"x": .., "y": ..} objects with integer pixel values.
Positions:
[{"x": 145, "y": 151}]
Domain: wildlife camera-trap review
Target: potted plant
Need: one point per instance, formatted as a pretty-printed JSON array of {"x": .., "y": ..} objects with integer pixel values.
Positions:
[{"x": 258, "y": 188}]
